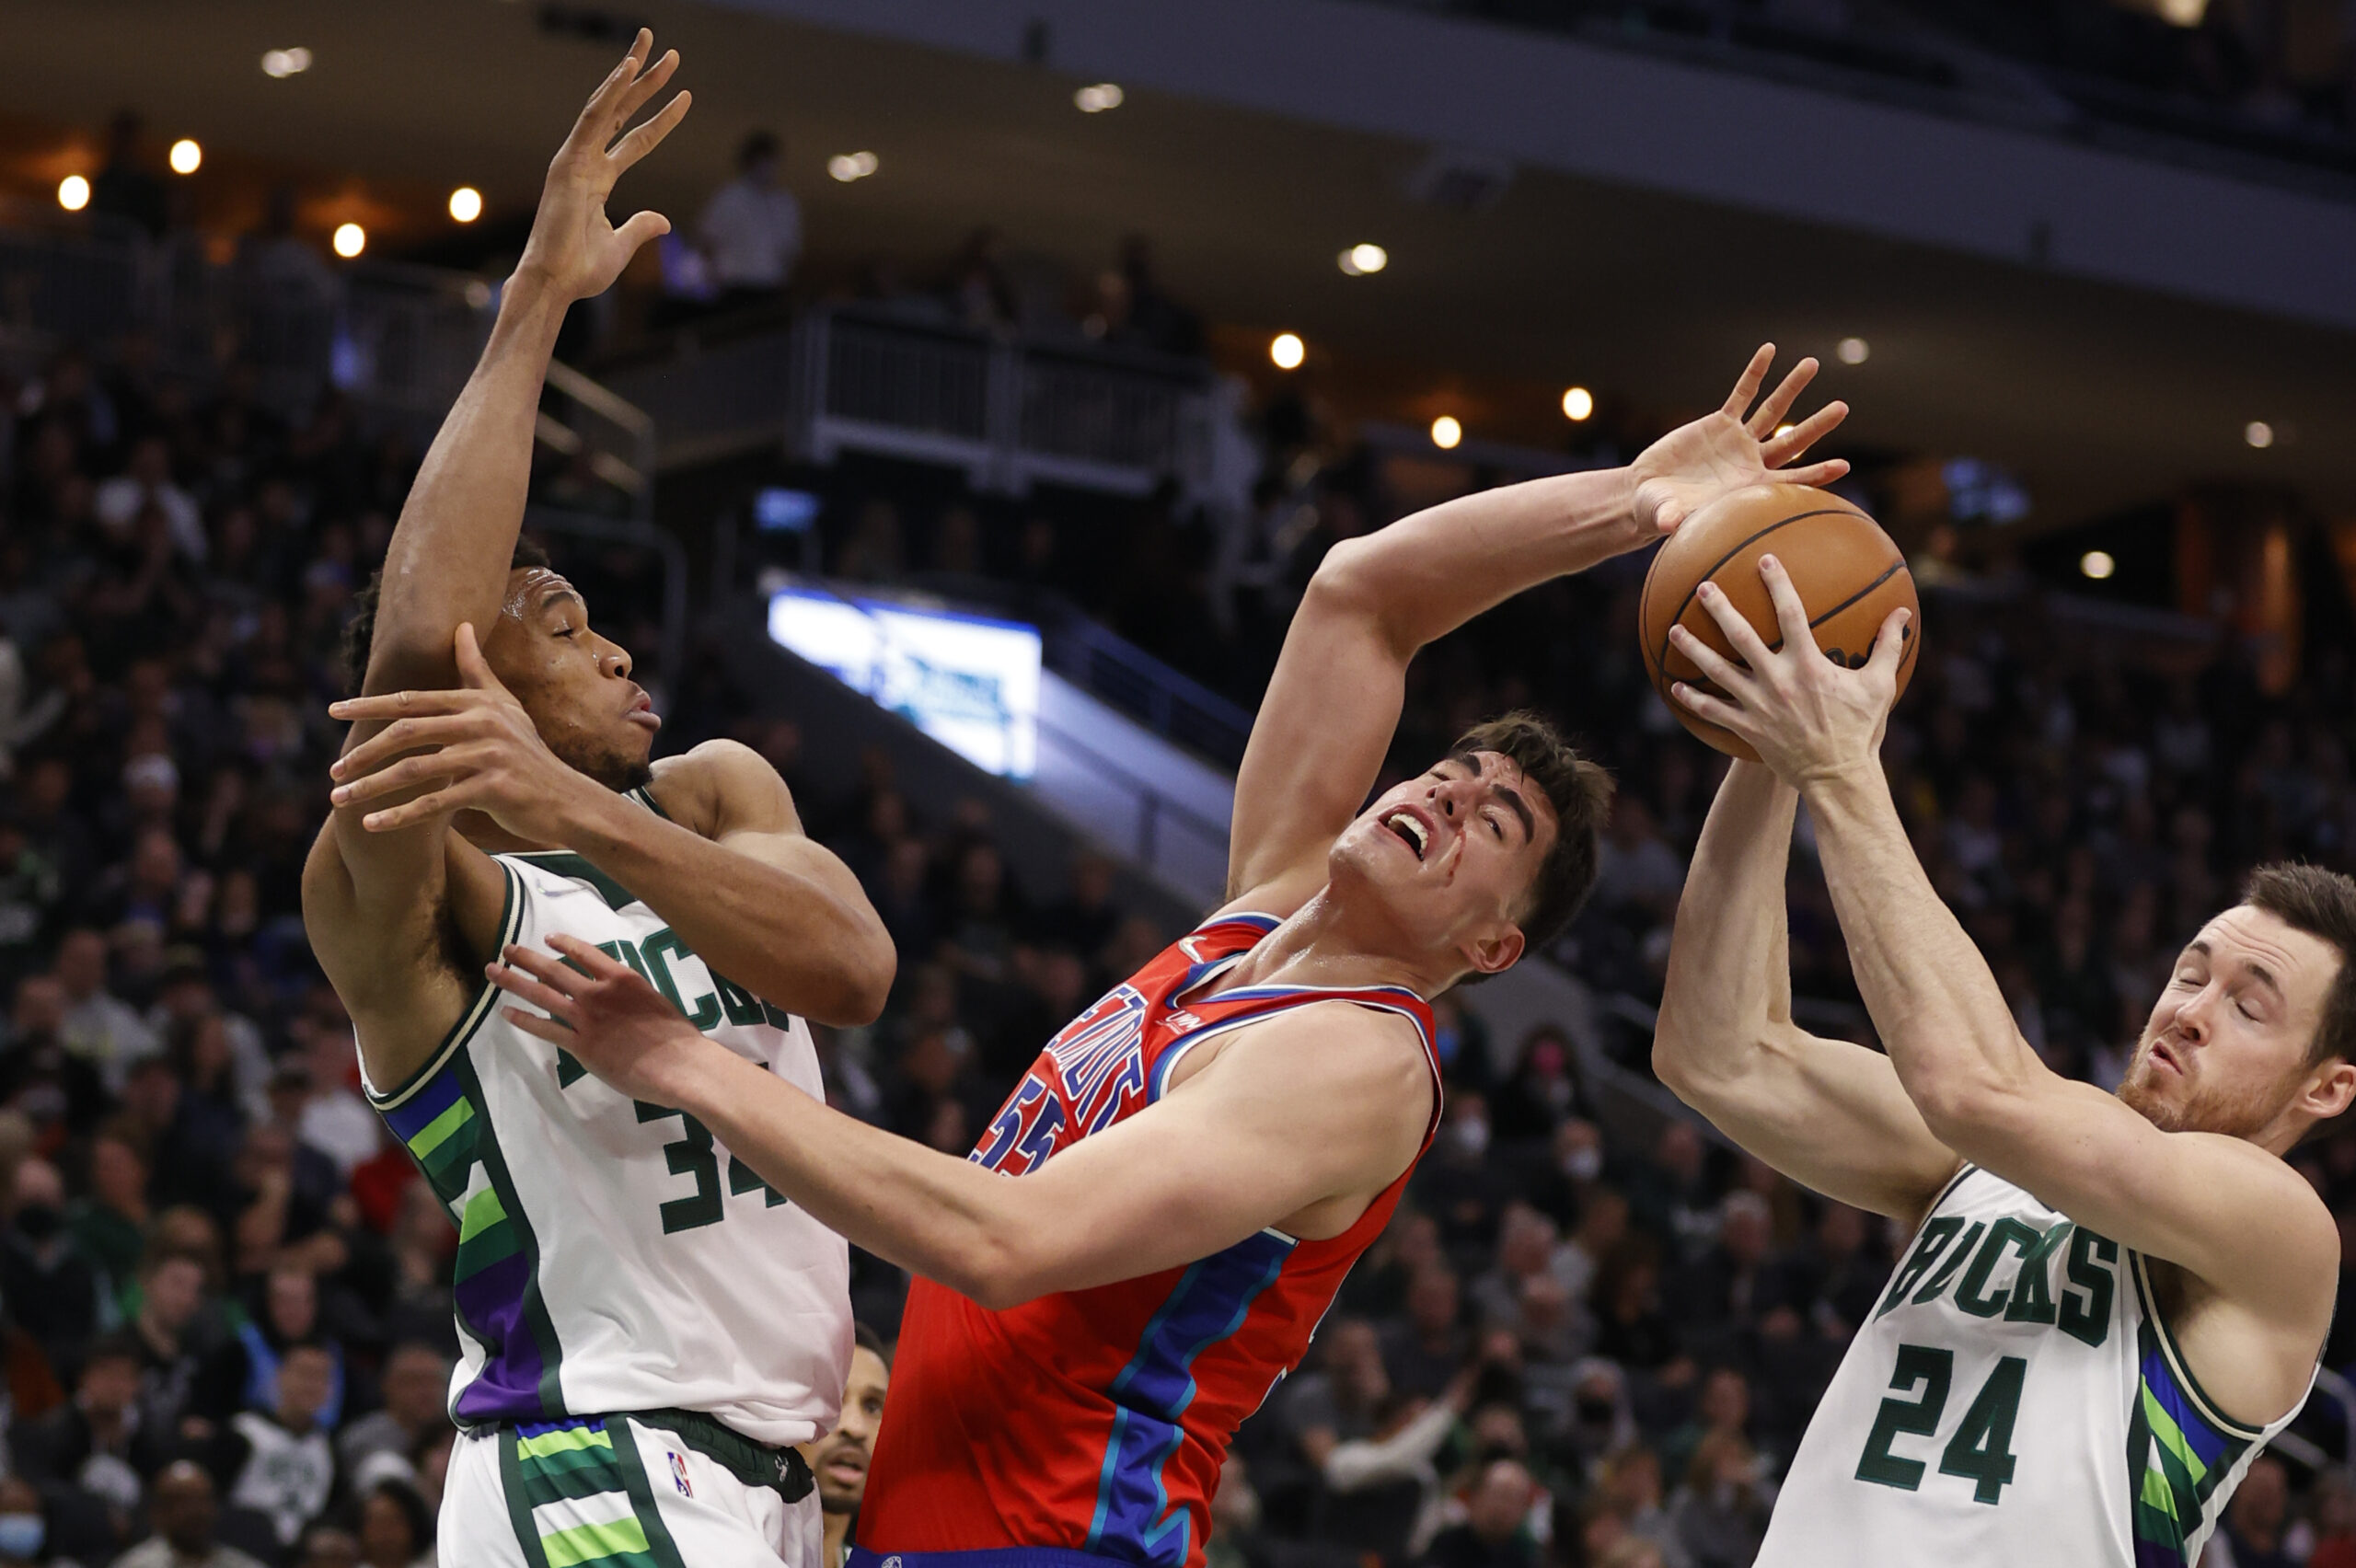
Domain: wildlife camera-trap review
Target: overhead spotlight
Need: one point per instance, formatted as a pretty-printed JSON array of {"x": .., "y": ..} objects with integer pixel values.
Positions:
[
  {"x": 465, "y": 204},
  {"x": 2258, "y": 434},
  {"x": 2097, "y": 564},
  {"x": 1287, "y": 350},
  {"x": 848, "y": 166},
  {"x": 350, "y": 239},
  {"x": 284, "y": 62},
  {"x": 1096, "y": 100},
  {"x": 1360, "y": 260},
  {"x": 1579, "y": 404},
  {"x": 185, "y": 156},
  {"x": 73, "y": 192},
  {"x": 1852, "y": 351},
  {"x": 478, "y": 293},
  {"x": 1446, "y": 432}
]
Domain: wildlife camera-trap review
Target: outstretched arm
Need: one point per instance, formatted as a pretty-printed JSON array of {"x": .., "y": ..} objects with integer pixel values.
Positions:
[
  {"x": 1318, "y": 1103},
  {"x": 1334, "y": 702},
  {"x": 377, "y": 904},
  {"x": 1829, "y": 1114},
  {"x": 2230, "y": 1214}
]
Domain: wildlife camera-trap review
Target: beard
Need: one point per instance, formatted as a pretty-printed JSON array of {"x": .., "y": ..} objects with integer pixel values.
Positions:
[
  {"x": 2235, "y": 1110},
  {"x": 617, "y": 770}
]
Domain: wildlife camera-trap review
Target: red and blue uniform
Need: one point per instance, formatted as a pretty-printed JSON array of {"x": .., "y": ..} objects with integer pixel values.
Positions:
[{"x": 1090, "y": 1424}]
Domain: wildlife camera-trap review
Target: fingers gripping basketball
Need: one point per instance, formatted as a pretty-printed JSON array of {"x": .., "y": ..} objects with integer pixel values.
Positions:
[{"x": 1850, "y": 576}]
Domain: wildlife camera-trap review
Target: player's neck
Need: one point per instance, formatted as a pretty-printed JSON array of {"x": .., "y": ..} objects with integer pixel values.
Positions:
[{"x": 1325, "y": 944}]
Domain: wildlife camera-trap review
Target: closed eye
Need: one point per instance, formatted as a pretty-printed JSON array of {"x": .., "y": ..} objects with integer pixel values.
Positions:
[{"x": 1495, "y": 827}]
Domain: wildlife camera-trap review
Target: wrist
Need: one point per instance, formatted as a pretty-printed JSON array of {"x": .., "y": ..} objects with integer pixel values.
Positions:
[
  {"x": 1850, "y": 781},
  {"x": 530, "y": 301}
]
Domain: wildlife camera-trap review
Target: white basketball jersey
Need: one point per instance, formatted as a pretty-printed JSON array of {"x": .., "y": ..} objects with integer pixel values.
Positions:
[
  {"x": 2015, "y": 1399},
  {"x": 612, "y": 1256}
]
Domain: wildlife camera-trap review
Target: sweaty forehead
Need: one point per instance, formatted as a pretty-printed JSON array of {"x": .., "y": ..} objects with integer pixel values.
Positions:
[
  {"x": 529, "y": 587},
  {"x": 1498, "y": 768}
]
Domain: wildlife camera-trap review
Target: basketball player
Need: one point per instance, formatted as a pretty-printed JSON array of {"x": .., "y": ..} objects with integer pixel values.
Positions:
[
  {"x": 839, "y": 1460},
  {"x": 646, "y": 1325},
  {"x": 2110, "y": 1305},
  {"x": 1206, "y": 1151}
]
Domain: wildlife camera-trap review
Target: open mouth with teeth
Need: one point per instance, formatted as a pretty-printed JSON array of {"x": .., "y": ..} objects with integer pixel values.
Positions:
[{"x": 1416, "y": 836}]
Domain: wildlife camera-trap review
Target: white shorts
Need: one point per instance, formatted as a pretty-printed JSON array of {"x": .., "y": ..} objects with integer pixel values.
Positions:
[{"x": 617, "y": 1492}]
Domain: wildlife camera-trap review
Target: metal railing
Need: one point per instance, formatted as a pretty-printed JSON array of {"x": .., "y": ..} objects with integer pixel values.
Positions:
[
  {"x": 1008, "y": 413},
  {"x": 1170, "y": 704},
  {"x": 613, "y": 436},
  {"x": 396, "y": 338}
]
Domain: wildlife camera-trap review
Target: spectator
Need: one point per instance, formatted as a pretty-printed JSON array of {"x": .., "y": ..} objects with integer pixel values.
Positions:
[
  {"x": 54, "y": 1086},
  {"x": 109, "y": 1225},
  {"x": 98, "y": 1442},
  {"x": 1720, "y": 1512},
  {"x": 126, "y": 192},
  {"x": 838, "y": 1460},
  {"x": 396, "y": 1527},
  {"x": 2259, "y": 1532},
  {"x": 1426, "y": 1350},
  {"x": 1495, "y": 1532},
  {"x": 334, "y": 1119},
  {"x": 416, "y": 1386},
  {"x": 167, "y": 1329},
  {"x": 185, "y": 1512},
  {"x": 50, "y": 1289},
  {"x": 1631, "y": 1487},
  {"x": 24, "y": 1525},
  {"x": 278, "y": 1462},
  {"x": 98, "y": 1026},
  {"x": 147, "y": 483},
  {"x": 751, "y": 229}
]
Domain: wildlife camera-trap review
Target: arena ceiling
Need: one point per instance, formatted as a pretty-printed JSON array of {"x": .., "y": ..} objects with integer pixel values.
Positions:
[{"x": 2098, "y": 395}]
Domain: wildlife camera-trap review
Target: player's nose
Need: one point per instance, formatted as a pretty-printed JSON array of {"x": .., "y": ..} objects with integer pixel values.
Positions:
[{"x": 618, "y": 661}]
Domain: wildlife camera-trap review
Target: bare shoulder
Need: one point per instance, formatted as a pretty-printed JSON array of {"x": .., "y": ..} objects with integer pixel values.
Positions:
[
  {"x": 1332, "y": 1058},
  {"x": 723, "y": 785},
  {"x": 2300, "y": 1230}
]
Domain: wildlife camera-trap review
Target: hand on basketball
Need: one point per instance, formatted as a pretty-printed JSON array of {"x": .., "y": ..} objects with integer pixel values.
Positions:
[
  {"x": 1808, "y": 717},
  {"x": 1695, "y": 464},
  {"x": 603, "y": 1011},
  {"x": 574, "y": 249},
  {"x": 472, "y": 749}
]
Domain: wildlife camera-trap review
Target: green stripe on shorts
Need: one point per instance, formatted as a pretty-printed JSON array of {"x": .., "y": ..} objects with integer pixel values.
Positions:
[{"x": 579, "y": 1499}]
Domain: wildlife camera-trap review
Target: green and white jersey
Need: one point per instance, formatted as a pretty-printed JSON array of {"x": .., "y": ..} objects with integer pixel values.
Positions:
[
  {"x": 612, "y": 1256},
  {"x": 2015, "y": 1399}
]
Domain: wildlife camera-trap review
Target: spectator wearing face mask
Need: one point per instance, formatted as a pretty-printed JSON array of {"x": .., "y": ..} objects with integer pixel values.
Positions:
[
  {"x": 1495, "y": 1532},
  {"x": 50, "y": 1289},
  {"x": 24, "y": 1525}
]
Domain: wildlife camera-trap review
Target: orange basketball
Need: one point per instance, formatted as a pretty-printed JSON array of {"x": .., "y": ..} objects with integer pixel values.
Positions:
[{"x": 1849, "y": 573}]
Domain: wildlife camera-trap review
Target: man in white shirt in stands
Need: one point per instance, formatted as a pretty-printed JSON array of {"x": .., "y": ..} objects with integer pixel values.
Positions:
[{"x": 751, "y": 229}]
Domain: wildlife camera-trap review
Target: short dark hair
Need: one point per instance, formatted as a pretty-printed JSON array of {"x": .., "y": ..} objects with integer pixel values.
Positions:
[
  {"x": 2322, "y": 903},
  {"x": 360, "y": 632},
  {"x": 867, "y": 1339},
  {"x": 116, "y": 1344},
  {"x": 1580, "y": 790}
]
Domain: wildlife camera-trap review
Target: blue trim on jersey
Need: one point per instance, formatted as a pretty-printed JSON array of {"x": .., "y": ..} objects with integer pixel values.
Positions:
[
  {"x": 986, "y": 1557},
  {"x": 428, "y": 1101},
  {"x": 1134, "y": 1521},
  {"x": 1240, "y": 917}
]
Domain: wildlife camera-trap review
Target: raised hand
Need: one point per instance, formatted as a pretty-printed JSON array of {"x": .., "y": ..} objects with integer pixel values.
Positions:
[
  {"x": 1695, "y": 464},
  {"x": 615, "y": 1023},
  {"x": 574, "y": 248},
  {"x": 1806, "y": 716},
  {"x": 476, "y": 746}
]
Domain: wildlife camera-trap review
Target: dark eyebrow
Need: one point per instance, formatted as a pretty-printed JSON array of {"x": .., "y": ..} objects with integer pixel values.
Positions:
[
  {"x": 1510, "y": 799},
  {"x": 2265, "y": 977},
  {"x": 563, "y": 591}
]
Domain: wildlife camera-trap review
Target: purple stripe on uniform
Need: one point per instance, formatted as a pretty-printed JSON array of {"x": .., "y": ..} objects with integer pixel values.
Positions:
[
  {"x": 2151, "y": 1554},
  {"x": 490, "y": 1303}
]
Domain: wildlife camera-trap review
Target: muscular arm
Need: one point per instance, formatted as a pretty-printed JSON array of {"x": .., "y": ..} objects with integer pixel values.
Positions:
[
  {"x": 1318, "y": 1105},
  {"x": 383, "y": 908},
  {"x": 1334, "y": 702},
  {"x": 1334, "y": 699},
  {"x": 1829, "y": 1114},
  {"x": 2230, "y": 1214},
  {"x": 746, "y": 888}
]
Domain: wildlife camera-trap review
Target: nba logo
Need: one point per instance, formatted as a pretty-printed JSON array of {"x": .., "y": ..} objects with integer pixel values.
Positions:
[{"x": 679, "y": 1474}]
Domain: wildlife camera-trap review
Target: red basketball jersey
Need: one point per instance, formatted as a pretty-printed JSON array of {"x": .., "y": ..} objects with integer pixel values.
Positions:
[{"x": 1096, "y": 1420}]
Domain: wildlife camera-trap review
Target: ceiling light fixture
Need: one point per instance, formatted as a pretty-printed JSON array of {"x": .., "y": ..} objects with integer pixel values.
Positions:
[
  {"x": 2258, "y": 434},
  {"x": 1360, "y": 260},
  {"x": 1852, "y": 351},
  {"x": 1447, "y": 433},
  {"x": 849, "y": 167},
  {"x": 1578, "y": 405},
  {"x": 1096, "y": 100},
  {"x": 465, "y": 204},
  {"x": 2097, "y": 564},
  {"x": 350, "y": 239},
  {"x": 1285, "y": 350},
  {"x": 187, "y": 157},
  {"x": 285, "y": 62}
]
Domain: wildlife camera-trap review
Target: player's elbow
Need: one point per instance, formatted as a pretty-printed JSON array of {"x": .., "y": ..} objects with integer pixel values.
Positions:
[
  {"x": 1354, "y": 583},
  {"x": 868, "y": 970},
  {"x": 995, "y": 1271}
]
